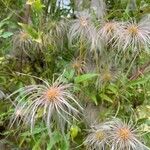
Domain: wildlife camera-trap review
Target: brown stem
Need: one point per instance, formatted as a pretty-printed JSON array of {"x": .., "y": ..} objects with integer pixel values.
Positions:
[
  {"x": 26, "y": 15},
  {"x": 140, "y": 71}
]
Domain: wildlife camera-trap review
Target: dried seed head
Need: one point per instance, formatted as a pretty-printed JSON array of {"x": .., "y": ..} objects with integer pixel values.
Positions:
[
  {"x": 78, "y": 65},
  {"x": 109, "y": 31},
  {"x": 97, "y": 139},
  {"x": 110, "y": 26},
  {"x": 82, "y": 29},
  {"x": 107, "y": 76},
  {"x": 125, "y": 136},
  {"x": 54, "y": 102},
  {"x": 134, "y": 35}
]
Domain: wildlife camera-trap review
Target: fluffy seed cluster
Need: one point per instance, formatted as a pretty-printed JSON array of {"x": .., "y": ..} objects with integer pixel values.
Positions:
[
  {"x": 97, "y": 138},
  {"x": 78, "y": 65},
  {"x": 122, "y": 35},
  {"x": 83, "y": 29},
  {"x": 22, "y": 41},
  {"x": 135, "y": 35},
  {"x": 53, "y": 103},
  {"x": 114, "y": 135},
  {"x": 109, "y": 31}
]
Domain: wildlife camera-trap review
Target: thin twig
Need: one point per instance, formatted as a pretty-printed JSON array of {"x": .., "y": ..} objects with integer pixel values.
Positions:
[{"x": 140, "y": 71}]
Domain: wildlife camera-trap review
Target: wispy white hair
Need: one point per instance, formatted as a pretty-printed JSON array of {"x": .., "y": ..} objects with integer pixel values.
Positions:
[
  {"x": 54, "y": 103},
  {"x": 83, "y": 29},
  {"x": 99, "y": 8},
  {"x": 135, "y": 35},
  {"x": 97, "y": 139},
  {"x": 125, "y": 136}
]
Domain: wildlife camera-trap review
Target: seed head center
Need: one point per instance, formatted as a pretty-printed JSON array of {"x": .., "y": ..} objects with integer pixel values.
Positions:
[
  {"x": 77, "y": 64},
  {"x": 124, "y": 133},
  {"x": 107, "y": 76},
  {"x": 133, "y": 30},
  {"x": 100, "y": 135},
  {"x": 83, "y": 22},
  {"x": 52, "y": 93},
  {"x": 23, "y": 36},
  {"x": 110, "y": 27}
]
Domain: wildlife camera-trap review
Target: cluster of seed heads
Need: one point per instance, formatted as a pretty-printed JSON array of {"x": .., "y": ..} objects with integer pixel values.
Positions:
[{"x": 114, "y": 135}]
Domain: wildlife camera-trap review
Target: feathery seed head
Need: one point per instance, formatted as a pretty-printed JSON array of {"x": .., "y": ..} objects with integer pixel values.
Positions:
[
  {"x": 83, "y": 21},
  {"x": 83, "y": 29},
  {"x": 135, "y": 35},
  {"x": 22, "y": 41},
  {"x": 18, "y": 116},
  {"x": 99, "y": 8},
  {"x": 54, "y": 100},
  {"x": 109, "y": 31},
  {"x": 124, "y": 136},
  {"x": 100, "y": 135},
  {"x": 114, "y": 135},
  {"x": 97, "y": 139},
  {"x": 55, "y": 33},
  {"x": 78, "y": 65},
  {"x": 107, "y": 74}
]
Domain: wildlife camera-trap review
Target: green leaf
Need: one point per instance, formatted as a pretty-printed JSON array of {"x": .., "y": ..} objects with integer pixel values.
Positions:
[
  {"x": 6, "y": 34},
  {"x": 113, "y": 88},
  {"x": 139, "y": 81},
  {"x": 38, "y": 6},
  {"x": 55, "y": 138},
  {"x": 105, "y": 97},
  {"x": 1, "y": 31},
  {"x": 85, "y": 77},
  {"x": 35, "y": 131},
  {"x": 65, "y": 142},
  {"x": 93, "y": 97},
  {"x": 37, "y": 145}
]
